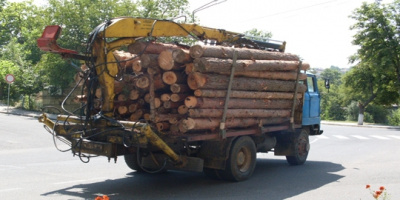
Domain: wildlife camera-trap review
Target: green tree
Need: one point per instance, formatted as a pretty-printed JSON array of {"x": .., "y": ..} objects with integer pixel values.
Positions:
[
  {"x": 265, "y": 35},
  {"x": 333, "y": 74},
  {"x": 376, "y": 77}
]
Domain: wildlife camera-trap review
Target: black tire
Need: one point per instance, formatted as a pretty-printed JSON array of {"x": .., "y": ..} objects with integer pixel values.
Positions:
[
  {"x": 132, "y": 162},
  {"x": 301, "y": 147},
  {"x": 242, "y": 160}
]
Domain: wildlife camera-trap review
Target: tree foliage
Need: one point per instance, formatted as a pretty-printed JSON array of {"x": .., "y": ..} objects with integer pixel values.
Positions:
[
  {"x": 376, "y": 76},
  {"x": 21, "y": 23}
]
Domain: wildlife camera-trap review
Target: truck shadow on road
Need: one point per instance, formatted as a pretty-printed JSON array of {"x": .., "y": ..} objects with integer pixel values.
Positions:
[{"x": 272, "y": 179}]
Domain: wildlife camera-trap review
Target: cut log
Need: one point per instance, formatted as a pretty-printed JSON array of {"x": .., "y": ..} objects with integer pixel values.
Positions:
[
  {"x": 136, "y": 115},
  {"x": 218, "y": 103},
  {"x": 197, "y": 80},
  {"x": 246, "y": 94},
  {"x": 149, "y": 60},
  {"x": 165, "y": 97},
  {"x": 170, "y": 104},
  {"x": 134, "y": 94},
  {"x": 121, "y": 97},
  {"x": 241, "y": 113},
  {"x": 137, "y": 66},
  {"x": 149, "y": 47},
  {"x": 142, "y": 82},
  {"x": 172, "y": 77},
  {"x": 189, "y": 68},
  {"x": 122, "y": 110},
  {"x": 154, "y": 70},
  {"x": 179, "y": 88},
  {"x": 216, "y": 65},
  {"x": 178, "y": 97},
  {"x": 214, "y": 123},
  {"x": 162, "y": 126},
  {"x": 99, "y": 92},
  {"x": 198, "y": 51},
  {"x": 289, "y": 76},
  {"x": 165, "y": 60},
  {"x": 183, "y": 109},
  {"x": 181, "y": 56},
  {"x": 157, "y": 101},
  {"x": 133, "y": 107}
]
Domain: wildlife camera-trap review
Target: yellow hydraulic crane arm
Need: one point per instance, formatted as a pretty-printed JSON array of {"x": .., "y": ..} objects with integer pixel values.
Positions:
[{"x": 143, "y": 27}]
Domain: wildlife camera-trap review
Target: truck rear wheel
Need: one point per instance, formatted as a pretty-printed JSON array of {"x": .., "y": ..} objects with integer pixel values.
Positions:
[
  {"x": 242, "y": 160},
  {"x": 301, "y": 146},
  {"x": 132, "y": 161}
]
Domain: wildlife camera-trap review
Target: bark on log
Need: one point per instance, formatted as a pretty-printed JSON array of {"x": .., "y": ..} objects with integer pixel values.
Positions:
[
  {"x": 246, "y": 94},
  {"x": 172, "y": 77},
  {"x": 149, "y": 47},
  {"x": 218, "y": 103},
  {"x": 154, "y": 70},
  {"x": 210, "y": 81},
  {"x": 167, "y": 118},
  {"x": 287, "y": 76},
  {"x": 179, "y": 88},
  {"x": 198, "y": 51},
  {"x": 214, "y": 123},
  {"x": 216, "y": 65},
  {"x": 240, "y": 113}
]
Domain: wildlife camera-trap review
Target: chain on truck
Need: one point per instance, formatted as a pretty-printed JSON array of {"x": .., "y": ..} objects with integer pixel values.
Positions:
[{"x": 236, "y": 96}]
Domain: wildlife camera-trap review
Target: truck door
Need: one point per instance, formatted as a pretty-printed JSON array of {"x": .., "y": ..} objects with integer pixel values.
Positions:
[{"x": 311, "y": 107}]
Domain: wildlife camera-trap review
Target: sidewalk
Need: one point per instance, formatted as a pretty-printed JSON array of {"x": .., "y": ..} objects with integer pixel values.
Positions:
[{"x": 37, "y": 114}]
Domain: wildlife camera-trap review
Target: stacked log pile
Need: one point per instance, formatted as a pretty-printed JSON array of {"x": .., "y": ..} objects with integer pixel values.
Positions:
[{"x": 182, "y": 90}]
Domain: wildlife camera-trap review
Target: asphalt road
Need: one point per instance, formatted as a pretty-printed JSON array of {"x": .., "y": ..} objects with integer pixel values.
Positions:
[{"x": 341, "y": 162}]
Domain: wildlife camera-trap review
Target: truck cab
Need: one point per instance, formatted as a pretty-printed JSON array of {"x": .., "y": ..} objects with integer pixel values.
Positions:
[{"x": 311, "y": 106}]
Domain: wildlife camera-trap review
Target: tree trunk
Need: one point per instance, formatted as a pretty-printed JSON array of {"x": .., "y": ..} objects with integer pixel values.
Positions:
[
  {"x": 218, "y": 103},
  {"x": 216, "y": 65},
  {"x": 210, "y": 81},
  {"x": 361, "y": 110},
  {"x": 246, "y": 94},
  {"x": 198, "y": 51},
  {"x": 241, "y": 113}
]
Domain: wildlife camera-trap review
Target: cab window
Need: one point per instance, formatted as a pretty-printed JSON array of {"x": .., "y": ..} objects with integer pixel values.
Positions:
[{"x": 310, "y": 84}]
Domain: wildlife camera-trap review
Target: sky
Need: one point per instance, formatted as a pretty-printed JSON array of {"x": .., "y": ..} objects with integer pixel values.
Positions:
[{"x": 316, "y": 30}]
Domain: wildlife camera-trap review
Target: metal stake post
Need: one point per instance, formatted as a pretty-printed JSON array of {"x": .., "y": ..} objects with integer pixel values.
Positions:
[{"x": 8, "y": 99}]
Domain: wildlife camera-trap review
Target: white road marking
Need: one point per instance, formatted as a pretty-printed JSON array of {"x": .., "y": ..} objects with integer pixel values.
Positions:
[
  {"x": 10, "y": 189},
  {"x": 314, "y": 140},
  {"x": 395, "y": 136},
  {"x": 360, "y": 137},
  {"x": 341, "y": 137},
  {"x": 322, "y": 137},
  {"x": 379, "y": 137}
]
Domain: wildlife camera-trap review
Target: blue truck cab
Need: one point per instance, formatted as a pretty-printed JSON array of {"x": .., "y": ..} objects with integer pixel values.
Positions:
[{"x": 311, "y": 106}]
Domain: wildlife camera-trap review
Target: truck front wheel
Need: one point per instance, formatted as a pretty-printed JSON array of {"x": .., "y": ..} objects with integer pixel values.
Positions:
[
  {"x": 242, "y": 160},
  {"x": 301, "y": 147}
]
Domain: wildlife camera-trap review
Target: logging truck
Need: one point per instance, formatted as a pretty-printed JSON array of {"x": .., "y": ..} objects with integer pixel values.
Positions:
[{"x": 209, "y": 107}]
